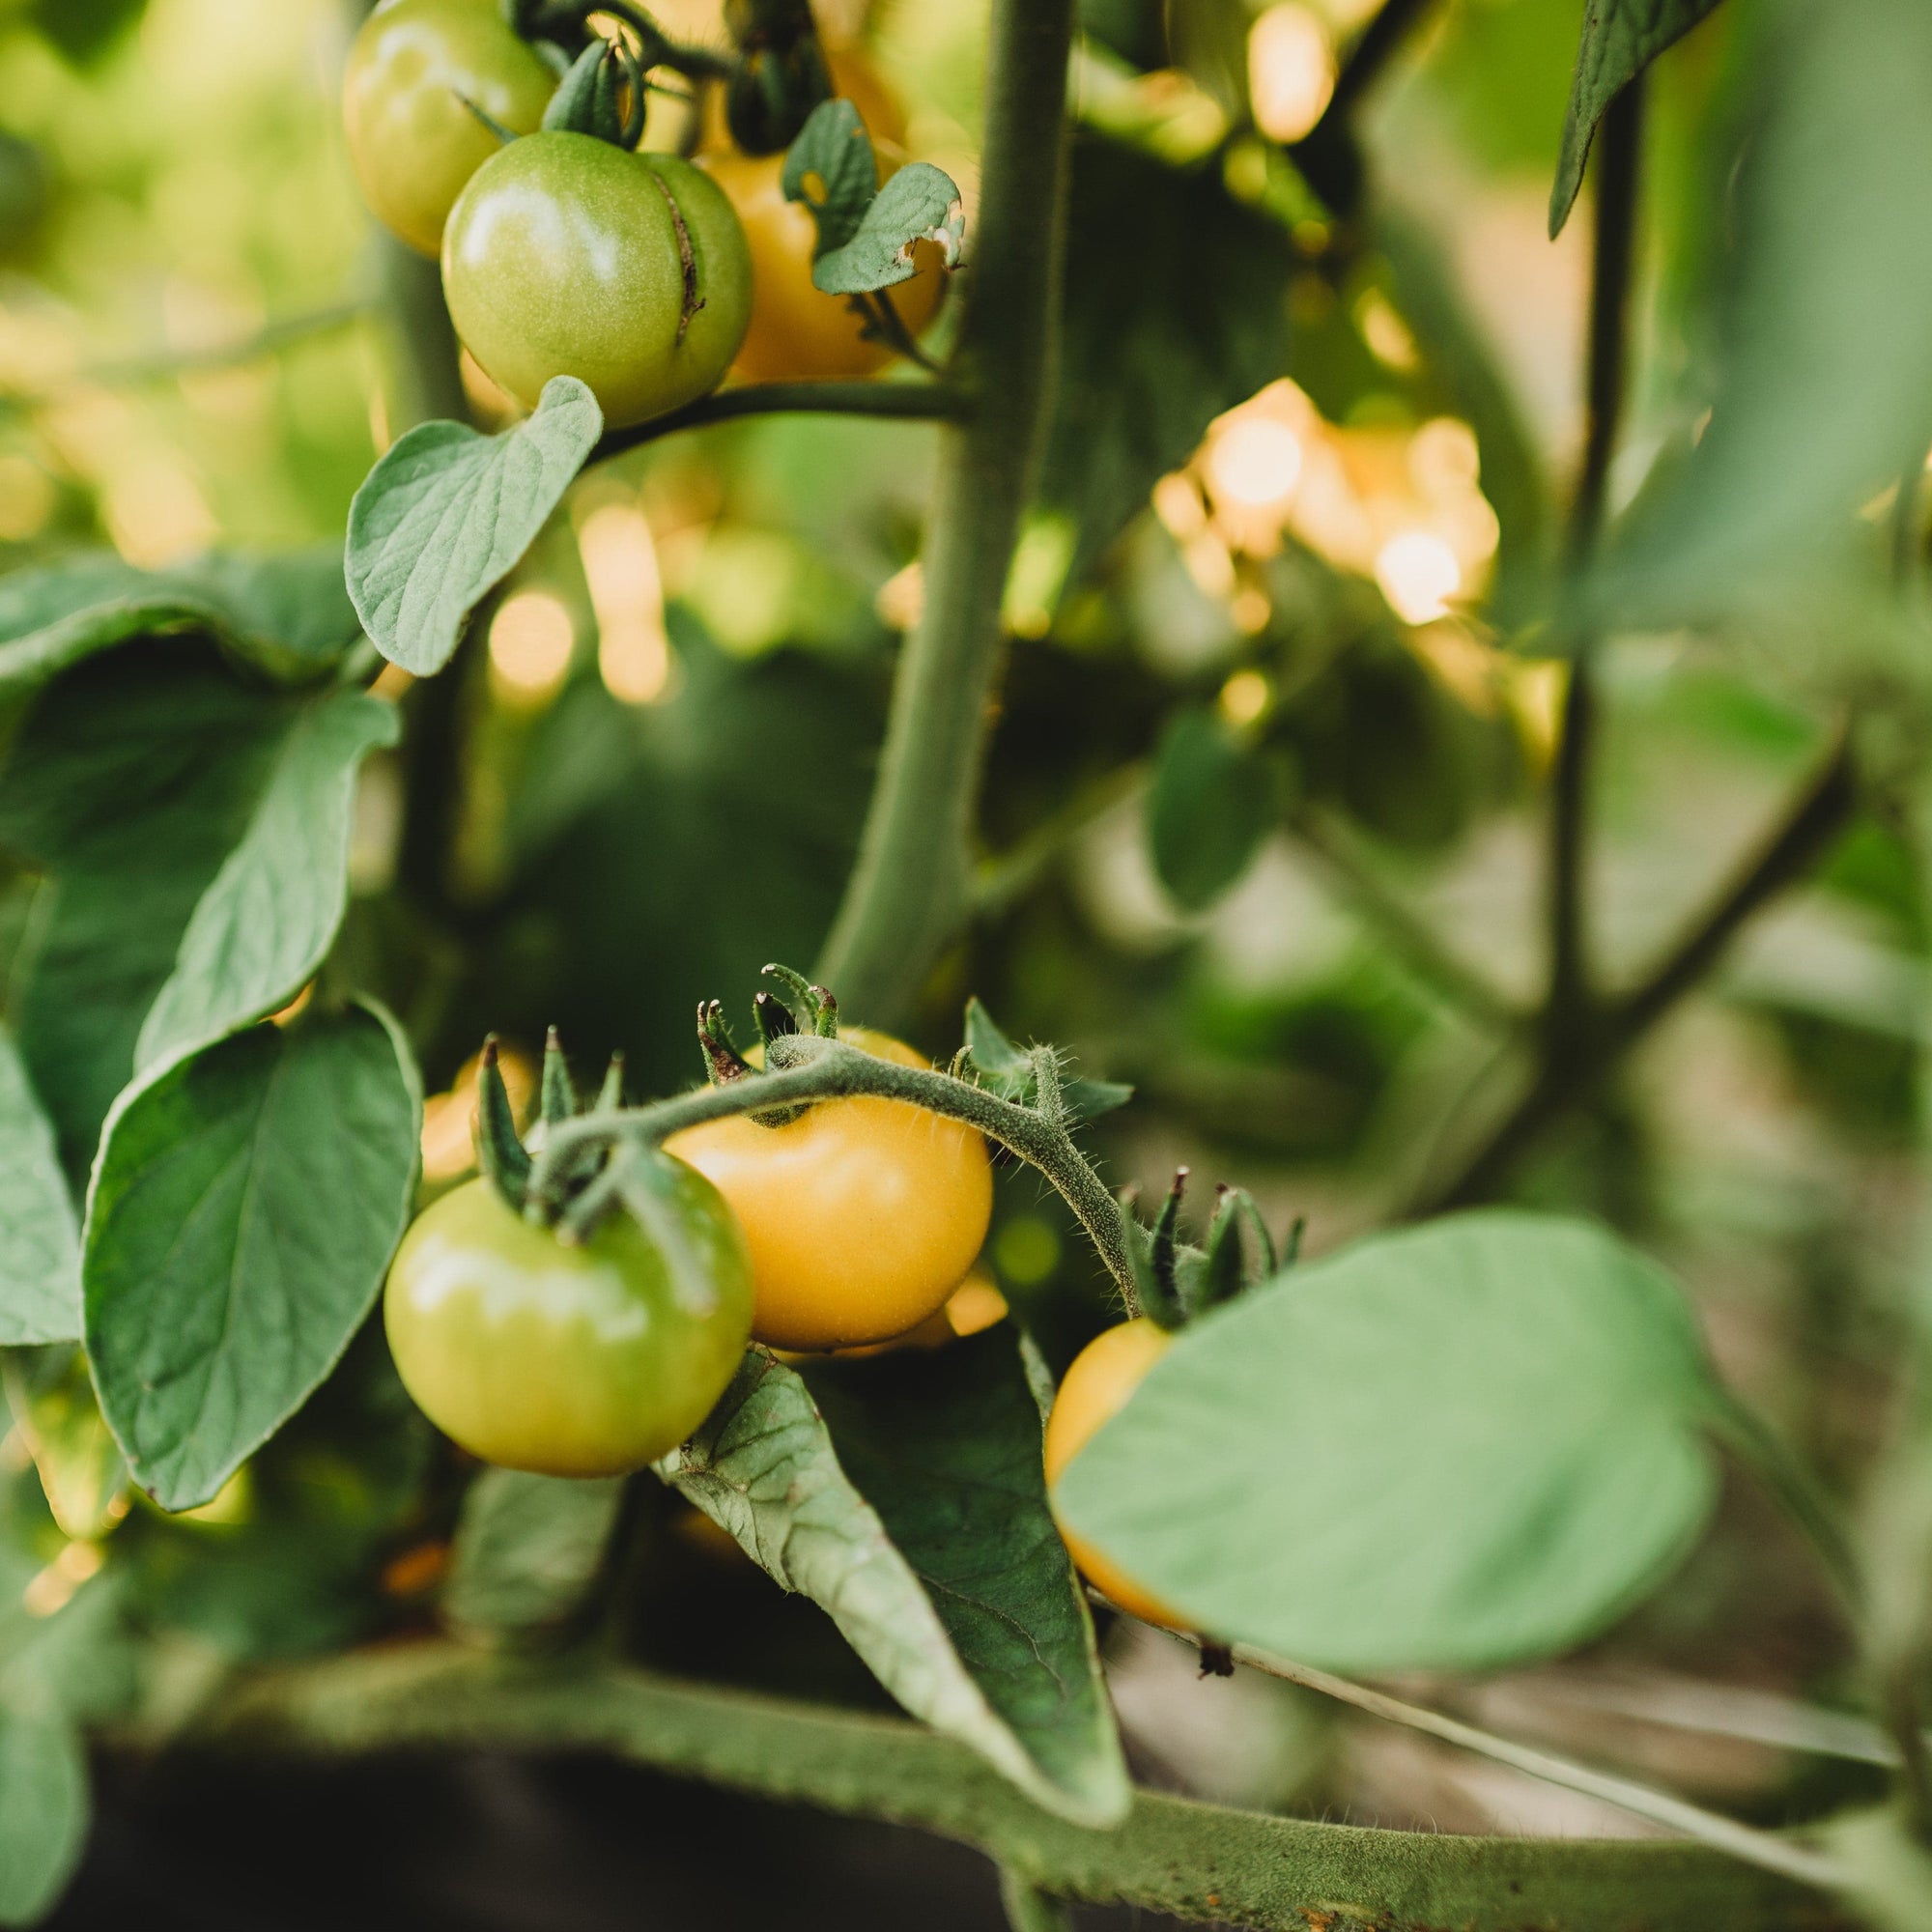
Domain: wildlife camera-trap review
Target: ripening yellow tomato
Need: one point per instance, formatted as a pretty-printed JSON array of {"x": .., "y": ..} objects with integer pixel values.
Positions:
[
  {"x": 797, "y": 332},
  {"x": 1095, "y": 1390},
  {"x": 862, "y": 1216}
]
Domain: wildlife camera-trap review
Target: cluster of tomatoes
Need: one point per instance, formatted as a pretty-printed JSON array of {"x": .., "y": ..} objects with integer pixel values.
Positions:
[
  {"x": 848, "y": 1225},
  {"x": 644, "y": 275},
  {"x": 851, "y": 1224}
]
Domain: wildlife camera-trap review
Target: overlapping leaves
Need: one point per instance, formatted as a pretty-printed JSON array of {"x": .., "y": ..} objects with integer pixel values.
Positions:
[{"x": 867, "y": 233}]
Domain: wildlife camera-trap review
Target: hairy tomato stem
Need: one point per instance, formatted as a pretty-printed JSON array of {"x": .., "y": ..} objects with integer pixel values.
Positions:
[{"x": 806, "y": 1068}]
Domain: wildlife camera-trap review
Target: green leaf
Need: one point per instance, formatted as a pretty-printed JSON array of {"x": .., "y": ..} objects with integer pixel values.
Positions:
[
  {"x": 1161, "y": 335},
  {"x": 1621, "y": 37},
  {"x": 127, "y": 785},
  {"x": 287, "y": 615},
  {"x": 831, "y": 168},
  {"x": 1821, "y": 397},
  {"x": 1007, "y": 1070},
  {"x": 1457, "y": 1446},
  {"x": 244, "y": 1208},
  {"x": 264, "y": 923},
  {"x": 764, "y": 1469},
  {"x": 445, "y": 514},
  {"x": 945, "y": 1444},
  {"x": 44, "y": 1810},
  {"x": 1211, "y": 804},
  {"x": 39, "y": 1244},
  {"x": 919, "y": 204},
  {"x": 528, "y": 1550}
]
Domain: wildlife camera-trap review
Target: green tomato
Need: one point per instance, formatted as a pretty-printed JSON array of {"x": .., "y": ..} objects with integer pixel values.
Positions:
[
  {"x": 569, "y": 1361},
  {"x": 567, "y": 256},
  {"x": 411, "y": 141}
]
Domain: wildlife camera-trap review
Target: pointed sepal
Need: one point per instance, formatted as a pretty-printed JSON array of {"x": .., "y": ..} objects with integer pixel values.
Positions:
[
  {"x": 558, "y": 1100},
  {"x": 611, "y": 1095},
  {"x": 722, "y": 1061},
  {"x": 500, "y": 1151}
]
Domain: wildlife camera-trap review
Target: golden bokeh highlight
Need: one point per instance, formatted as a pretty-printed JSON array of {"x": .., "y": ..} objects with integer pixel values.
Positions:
[
  {"x": 531, "y": 638},
  {"x": 1402, "y": 507},
  {"x": 620, "y": 566},
  {"x": 1291, "y": 70}
]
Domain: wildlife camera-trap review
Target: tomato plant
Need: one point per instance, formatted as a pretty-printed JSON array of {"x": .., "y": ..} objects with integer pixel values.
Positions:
[
  {"x": 1415, "y": 728},
  {"x": 862, "y": 1216},
  {"x": 416, "y": 72},
  {"x": 571, "y": 1361}
]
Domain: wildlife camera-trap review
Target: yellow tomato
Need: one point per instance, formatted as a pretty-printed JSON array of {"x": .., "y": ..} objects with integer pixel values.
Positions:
[
  {"x": 1092, "y": 1392},
  {"x": 797, "y": 333},
  {"x": 862, "y": 1216}
]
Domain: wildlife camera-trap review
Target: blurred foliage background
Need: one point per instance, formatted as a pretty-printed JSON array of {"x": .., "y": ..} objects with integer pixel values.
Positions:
[{"x": 1263, "y": 807}]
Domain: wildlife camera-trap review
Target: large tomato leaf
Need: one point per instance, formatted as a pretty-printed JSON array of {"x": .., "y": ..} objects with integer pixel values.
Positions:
[
  {"x": 946, "y": 1447},
  {"x": 527, "y": 1552},
  {"x": 286, "y": 614},
  {"x": 445, "y": 514},
  {"x": 1457, "y": 1446},
  {"x": 127, "y": 785},
  {"x": 269, "y": 915},
  {"x": 244, "y": 1210},
  {"x": 1621, "y": 37},
  {"x": 764, "y": 1469},
  {"x": 39, "y": 1242}
]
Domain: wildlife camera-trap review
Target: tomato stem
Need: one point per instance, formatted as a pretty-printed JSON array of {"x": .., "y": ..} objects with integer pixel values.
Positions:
[
  {"x": 912, "y": 402},
  {"x": 805, "y": 1068}
]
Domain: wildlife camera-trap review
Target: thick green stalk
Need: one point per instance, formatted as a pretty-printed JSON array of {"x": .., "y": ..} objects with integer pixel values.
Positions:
[
  {"x": 1198, "y": 1862},
  {"x": 910, "y": 887}
]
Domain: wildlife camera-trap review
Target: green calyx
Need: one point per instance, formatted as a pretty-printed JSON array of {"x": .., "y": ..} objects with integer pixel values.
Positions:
[
  {"x": 1176, "y": 1281},
  {"x": 813, "y": 1011},
  {"x": 507, "y": 1157},
  {"x": 603, "y": 95}
]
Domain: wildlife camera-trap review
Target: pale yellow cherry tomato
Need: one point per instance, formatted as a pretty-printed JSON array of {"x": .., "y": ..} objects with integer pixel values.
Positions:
[
  {"x": 862, "y": 1216},
  {"x": 412, "y": 143},
  {"x": 1095, "y": 1390},
  {"x": 797, "y": 332}
]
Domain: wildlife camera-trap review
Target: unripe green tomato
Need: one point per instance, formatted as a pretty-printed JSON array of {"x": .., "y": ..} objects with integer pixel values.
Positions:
[
  {"x": 411, "y": 141},
  {"x": 569, "y": 1361},
  {"x": 567, "y": 256}
]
